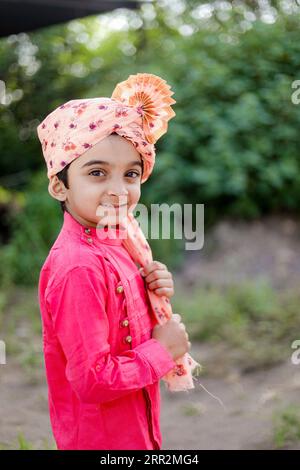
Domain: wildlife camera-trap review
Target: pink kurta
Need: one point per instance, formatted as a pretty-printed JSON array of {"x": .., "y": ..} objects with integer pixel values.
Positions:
[{"x": 102, "y": 366}]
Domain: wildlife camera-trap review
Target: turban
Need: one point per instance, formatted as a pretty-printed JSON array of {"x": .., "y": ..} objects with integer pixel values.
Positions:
[{"x": 138, "y": 110}]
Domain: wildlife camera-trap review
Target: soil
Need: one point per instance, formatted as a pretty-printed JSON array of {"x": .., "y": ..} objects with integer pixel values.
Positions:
[{"x": 244, "y": 419}]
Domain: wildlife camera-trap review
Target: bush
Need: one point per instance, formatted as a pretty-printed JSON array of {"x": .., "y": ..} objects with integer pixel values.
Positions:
[
  {"x": 33, "y": 232},
  {"x": 254, "y": 321},
  {"x": 233, "y": 145}
]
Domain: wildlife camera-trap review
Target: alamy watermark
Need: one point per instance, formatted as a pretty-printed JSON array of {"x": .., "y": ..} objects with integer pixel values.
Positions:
[
  {"x": 295, "y": 358},
  {"x": 2, "y": 92},
  {"x": 161, "y": 218},
  {"x": 2, "y": 353},
  {"x": 295, "y": 97}
]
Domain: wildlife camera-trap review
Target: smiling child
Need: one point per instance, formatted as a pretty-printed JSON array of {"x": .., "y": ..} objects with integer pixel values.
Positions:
[{"x": 104, "y": 353}]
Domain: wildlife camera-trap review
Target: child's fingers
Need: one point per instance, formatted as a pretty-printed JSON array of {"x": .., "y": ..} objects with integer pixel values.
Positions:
[
  {"x": 160, "y": 283},
  {"x": 158, "y": 274},
  {"x": 155, "y": 265},
  {"x": 168, "y": 291}
]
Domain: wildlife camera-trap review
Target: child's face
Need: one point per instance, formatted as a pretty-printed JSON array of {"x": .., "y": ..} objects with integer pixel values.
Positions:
[{"x": 115, "y": 181}]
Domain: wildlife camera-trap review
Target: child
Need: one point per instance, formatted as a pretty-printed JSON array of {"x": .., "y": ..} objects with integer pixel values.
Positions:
[{"x": 104, "y": 353}]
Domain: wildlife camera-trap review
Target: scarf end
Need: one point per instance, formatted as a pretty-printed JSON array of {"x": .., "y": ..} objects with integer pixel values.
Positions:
[{"x": 177, "y": 381}]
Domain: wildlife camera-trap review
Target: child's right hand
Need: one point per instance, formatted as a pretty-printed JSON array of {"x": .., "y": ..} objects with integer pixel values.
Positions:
[{"x": 173, "y": 336}]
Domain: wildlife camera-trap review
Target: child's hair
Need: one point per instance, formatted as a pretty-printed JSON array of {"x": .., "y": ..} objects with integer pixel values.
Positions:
[{"x": 63, "y": 176}]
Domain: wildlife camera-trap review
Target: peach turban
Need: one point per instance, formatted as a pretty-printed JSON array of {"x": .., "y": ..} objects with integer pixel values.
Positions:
[{"x": 139, "y": 110}]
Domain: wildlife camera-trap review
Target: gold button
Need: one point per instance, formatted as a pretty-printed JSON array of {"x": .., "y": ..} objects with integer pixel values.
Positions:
[
  {"x": 90, "y": 240},
  {"x": 125, "y": 323},
  {"x": 87, "y": 230},
  {"x": 128, "y": 339},
  {"x": 120, "y": 289}
]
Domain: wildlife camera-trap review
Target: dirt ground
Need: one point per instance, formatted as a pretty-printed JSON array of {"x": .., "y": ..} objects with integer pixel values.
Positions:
[
  {"x": 244, "y": 420},
  {"x": 232, "y": 252}
]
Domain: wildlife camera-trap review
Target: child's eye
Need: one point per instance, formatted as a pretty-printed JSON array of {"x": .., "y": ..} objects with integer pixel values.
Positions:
[
  {"x": 96, "y": 171},
  {"x": 100, "y": 171},
  {"x": 134, "y": 173}
]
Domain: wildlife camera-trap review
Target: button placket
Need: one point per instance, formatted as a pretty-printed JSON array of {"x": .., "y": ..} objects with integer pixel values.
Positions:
[
  {"x": 125, "y": 322},
  {"x": 142, "y": 325},
  {"x": 128, "y": 339},
  {"x": 87, "y": 235},
  {"x": 124, "y": 283}
]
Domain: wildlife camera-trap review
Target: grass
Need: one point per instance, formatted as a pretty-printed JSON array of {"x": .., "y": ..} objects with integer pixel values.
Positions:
[
  {"x": 22, "y": 443},
  {"x": 21, "y": 328},
  {"x": 287, "y": 427},
  {"x": 255, "y": 321},
  {"x": 192, "y": 409}
]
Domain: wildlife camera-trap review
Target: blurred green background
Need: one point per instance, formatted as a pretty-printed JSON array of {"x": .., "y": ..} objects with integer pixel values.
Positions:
[{"x": 233, "y": 146}]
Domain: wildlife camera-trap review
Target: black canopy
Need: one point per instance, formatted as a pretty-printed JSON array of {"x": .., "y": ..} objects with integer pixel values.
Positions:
[{"x": 19, "y": 16}]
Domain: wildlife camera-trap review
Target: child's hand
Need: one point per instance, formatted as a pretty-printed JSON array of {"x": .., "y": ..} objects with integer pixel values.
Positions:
[{"x": 158, "y": 278}]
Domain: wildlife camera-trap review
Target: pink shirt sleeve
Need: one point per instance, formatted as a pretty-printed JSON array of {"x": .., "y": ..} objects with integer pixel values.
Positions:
[{"x": 77, "y": 307}]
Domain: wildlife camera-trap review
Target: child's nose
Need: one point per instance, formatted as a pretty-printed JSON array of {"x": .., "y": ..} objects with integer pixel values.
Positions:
[{"x": 120, "y": 197}]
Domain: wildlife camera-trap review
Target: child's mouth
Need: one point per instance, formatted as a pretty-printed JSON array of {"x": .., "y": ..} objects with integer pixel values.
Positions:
[{"x": 117, "y": 208}]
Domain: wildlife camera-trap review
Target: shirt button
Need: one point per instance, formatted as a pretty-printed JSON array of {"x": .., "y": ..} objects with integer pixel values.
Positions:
[
  {"x": 128, "y": 339},
  {"x": 98, "y": 367},
  {"x": 87, "y": 230},
  {"x": 120, "y": 289},
  {"x": 90, "y": 240},
  {"x": 125, "y": 323}
]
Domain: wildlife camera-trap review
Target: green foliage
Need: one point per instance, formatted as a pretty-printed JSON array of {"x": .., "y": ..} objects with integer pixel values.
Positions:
[
  {"x": 287, "y": 426},
  {"x": 34, "y": 229},
  {"x": 232, "y": 146},
  {"x": 23, "y": 443}
]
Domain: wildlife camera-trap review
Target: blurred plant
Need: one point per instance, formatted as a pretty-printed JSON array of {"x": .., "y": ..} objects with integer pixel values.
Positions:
[
  {"x": 287, "y": 426},
  {"x": 33, "y": 231},
  {"x": 233, "y": 144},
  {"x": 23, "y": 443},
  {"x": 252, "y": 319}
]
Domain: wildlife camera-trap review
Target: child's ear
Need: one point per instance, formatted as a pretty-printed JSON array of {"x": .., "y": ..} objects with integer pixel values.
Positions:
[{"x": 57, "y": 189}]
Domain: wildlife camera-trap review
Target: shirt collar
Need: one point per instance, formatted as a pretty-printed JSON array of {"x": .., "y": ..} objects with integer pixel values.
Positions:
[{"x": 92, "y": 234}]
